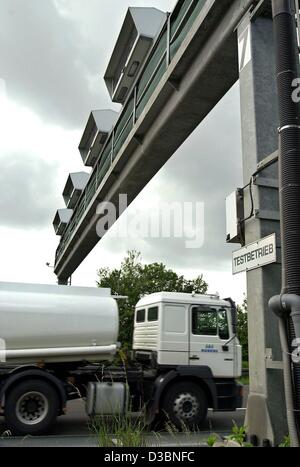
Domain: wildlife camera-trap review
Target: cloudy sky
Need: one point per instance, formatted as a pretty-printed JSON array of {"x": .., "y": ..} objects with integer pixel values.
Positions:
[{"x": 53, "y": 56}]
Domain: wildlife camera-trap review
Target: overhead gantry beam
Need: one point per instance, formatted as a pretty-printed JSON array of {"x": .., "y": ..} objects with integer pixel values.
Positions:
[{"x": 202, "y": 71}]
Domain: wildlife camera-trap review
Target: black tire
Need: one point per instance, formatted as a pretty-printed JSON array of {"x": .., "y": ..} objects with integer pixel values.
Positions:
[
  {"x": 31, "y": 408},
  {"x": 185, "y": 406}
]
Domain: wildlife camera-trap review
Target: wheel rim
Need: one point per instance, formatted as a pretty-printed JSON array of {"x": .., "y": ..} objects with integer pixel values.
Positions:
[
  {"x": 186, "y": 406},
  {"x": 32, "y": 408}
]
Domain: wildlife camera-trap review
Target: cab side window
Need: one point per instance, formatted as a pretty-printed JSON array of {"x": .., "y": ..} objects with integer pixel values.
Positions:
[
  {"x": 153, "y": 314},
  {"x": 210, "y": 322},
  {"x": 204, "y": 322},
  {"x": 140, "y": 316}
]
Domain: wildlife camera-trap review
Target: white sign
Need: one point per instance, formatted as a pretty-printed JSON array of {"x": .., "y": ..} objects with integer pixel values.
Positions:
[
  {"x": 255, "y": 256},
  {"x": 245, "y": 54}
]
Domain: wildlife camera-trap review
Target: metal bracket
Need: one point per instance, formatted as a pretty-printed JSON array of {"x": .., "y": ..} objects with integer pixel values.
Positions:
[
  {"x": 268, "y": 161},
  {"x": 270, "y": 363},
  {"x": 288, "y": 127},
  {"x": 258, "y": 9},
  {"x": 267, "y": 215},
  {"x": 266, "y": 182}
]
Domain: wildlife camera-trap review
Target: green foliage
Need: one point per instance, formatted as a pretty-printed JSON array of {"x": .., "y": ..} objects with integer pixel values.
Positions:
[
  {"x": 135, "y": 280},
  {"x": 286, "y": 443},
  {"x": 239, "y": 434},
  {"x": 212, "y": 441},
  {"x": 245, "y": 380},
  {"x": 243, "y": 328}
]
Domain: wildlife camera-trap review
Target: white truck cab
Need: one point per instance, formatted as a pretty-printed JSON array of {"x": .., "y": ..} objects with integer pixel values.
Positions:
[{"x": 188, "y": 330}]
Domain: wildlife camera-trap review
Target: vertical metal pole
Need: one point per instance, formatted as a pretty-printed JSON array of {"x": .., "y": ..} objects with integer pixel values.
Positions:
[
  {"x": 97, "y": 174},
  {"x": 134, "y": 104},
  {"x": 112, "y": 148},
  {"x": 169, "y": 40},
  {"x": 266, "y": 411},
  {"x": 298, "y": 20}
]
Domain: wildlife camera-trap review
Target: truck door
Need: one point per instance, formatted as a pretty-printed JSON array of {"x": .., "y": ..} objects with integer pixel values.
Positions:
[{"x": 209, "y": 332}]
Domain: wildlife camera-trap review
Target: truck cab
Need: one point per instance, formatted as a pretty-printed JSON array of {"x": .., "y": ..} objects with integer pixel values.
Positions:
[
  {"x": 173, "y": 329},
  {"x": 190, "y": 341}
]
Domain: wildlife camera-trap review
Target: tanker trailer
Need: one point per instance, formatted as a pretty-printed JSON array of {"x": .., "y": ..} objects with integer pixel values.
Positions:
[{"x": 52, "y": 324}]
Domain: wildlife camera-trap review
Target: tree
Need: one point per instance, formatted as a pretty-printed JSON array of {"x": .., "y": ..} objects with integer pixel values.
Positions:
[
  {"x": 135, "y": 279},
  {"x": 243, "y": 328}
]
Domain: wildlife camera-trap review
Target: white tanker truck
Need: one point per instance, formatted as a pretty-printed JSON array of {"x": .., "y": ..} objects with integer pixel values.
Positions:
[{"x": 58, "y": 343}]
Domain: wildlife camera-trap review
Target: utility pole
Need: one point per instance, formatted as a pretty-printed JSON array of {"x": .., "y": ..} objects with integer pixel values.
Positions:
[{"x": 266, "y": 411}]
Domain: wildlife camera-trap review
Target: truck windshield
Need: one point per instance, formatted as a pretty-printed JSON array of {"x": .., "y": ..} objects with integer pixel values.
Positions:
[{"x": 208, "y": 321}]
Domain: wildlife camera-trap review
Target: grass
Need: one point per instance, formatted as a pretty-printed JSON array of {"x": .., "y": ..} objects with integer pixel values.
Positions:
[
  {"x": 239, "y": 434},
  {"x": 286, "y": 443},
  {"x": 211, "y": 441},
  {"x": 120, "y": 431},
  {"x": 129, "y": 432},
  {"x": 126, "y": 431}
]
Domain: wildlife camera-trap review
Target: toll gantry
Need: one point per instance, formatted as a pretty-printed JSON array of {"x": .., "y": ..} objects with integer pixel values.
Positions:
[{"x": 168, "y": 70}]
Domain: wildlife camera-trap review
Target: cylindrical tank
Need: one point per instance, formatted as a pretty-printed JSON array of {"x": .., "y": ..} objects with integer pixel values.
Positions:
[{"x": 48, "y": 323}]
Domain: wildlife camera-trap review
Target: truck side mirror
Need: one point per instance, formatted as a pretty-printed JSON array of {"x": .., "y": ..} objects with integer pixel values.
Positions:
[{"x": 234, "y": 316}]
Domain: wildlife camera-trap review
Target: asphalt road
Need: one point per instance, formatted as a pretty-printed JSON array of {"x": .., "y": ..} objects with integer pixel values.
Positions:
[{"x": 73, "y": 428}]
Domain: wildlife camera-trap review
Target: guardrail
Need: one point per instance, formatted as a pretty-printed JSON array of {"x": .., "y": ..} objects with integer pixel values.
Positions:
[{"x": 172, "y": 35}]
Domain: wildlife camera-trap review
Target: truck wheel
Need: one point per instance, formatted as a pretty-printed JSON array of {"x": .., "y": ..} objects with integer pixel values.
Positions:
[
  {"x": 185, "y": 405},
  {"x": 31, "y": 408}
]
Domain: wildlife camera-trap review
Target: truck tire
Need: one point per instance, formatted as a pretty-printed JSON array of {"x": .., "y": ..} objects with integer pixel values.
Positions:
[
  {"x": 185, "y": 406},
  {"x": 31, "y": 408}
]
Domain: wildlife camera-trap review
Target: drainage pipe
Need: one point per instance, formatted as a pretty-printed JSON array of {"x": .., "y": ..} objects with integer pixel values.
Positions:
[
  {"x": 281, "y": 305},
  {"x": 287, "y": 306}
]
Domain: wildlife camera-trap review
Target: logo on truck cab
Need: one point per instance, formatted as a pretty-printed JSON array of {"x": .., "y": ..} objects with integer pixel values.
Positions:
[{"x": 209, "y": 348}]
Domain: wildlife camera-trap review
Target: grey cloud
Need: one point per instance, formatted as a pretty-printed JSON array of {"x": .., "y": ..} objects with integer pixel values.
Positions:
[
  {"x": 53, "y": 62},
  {"x": 28, "y": 192},
  {"x": 47, "y": 64}
]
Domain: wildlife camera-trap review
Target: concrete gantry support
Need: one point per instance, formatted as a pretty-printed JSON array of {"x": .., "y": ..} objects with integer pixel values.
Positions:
[{"x": 266, "y": 412}]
